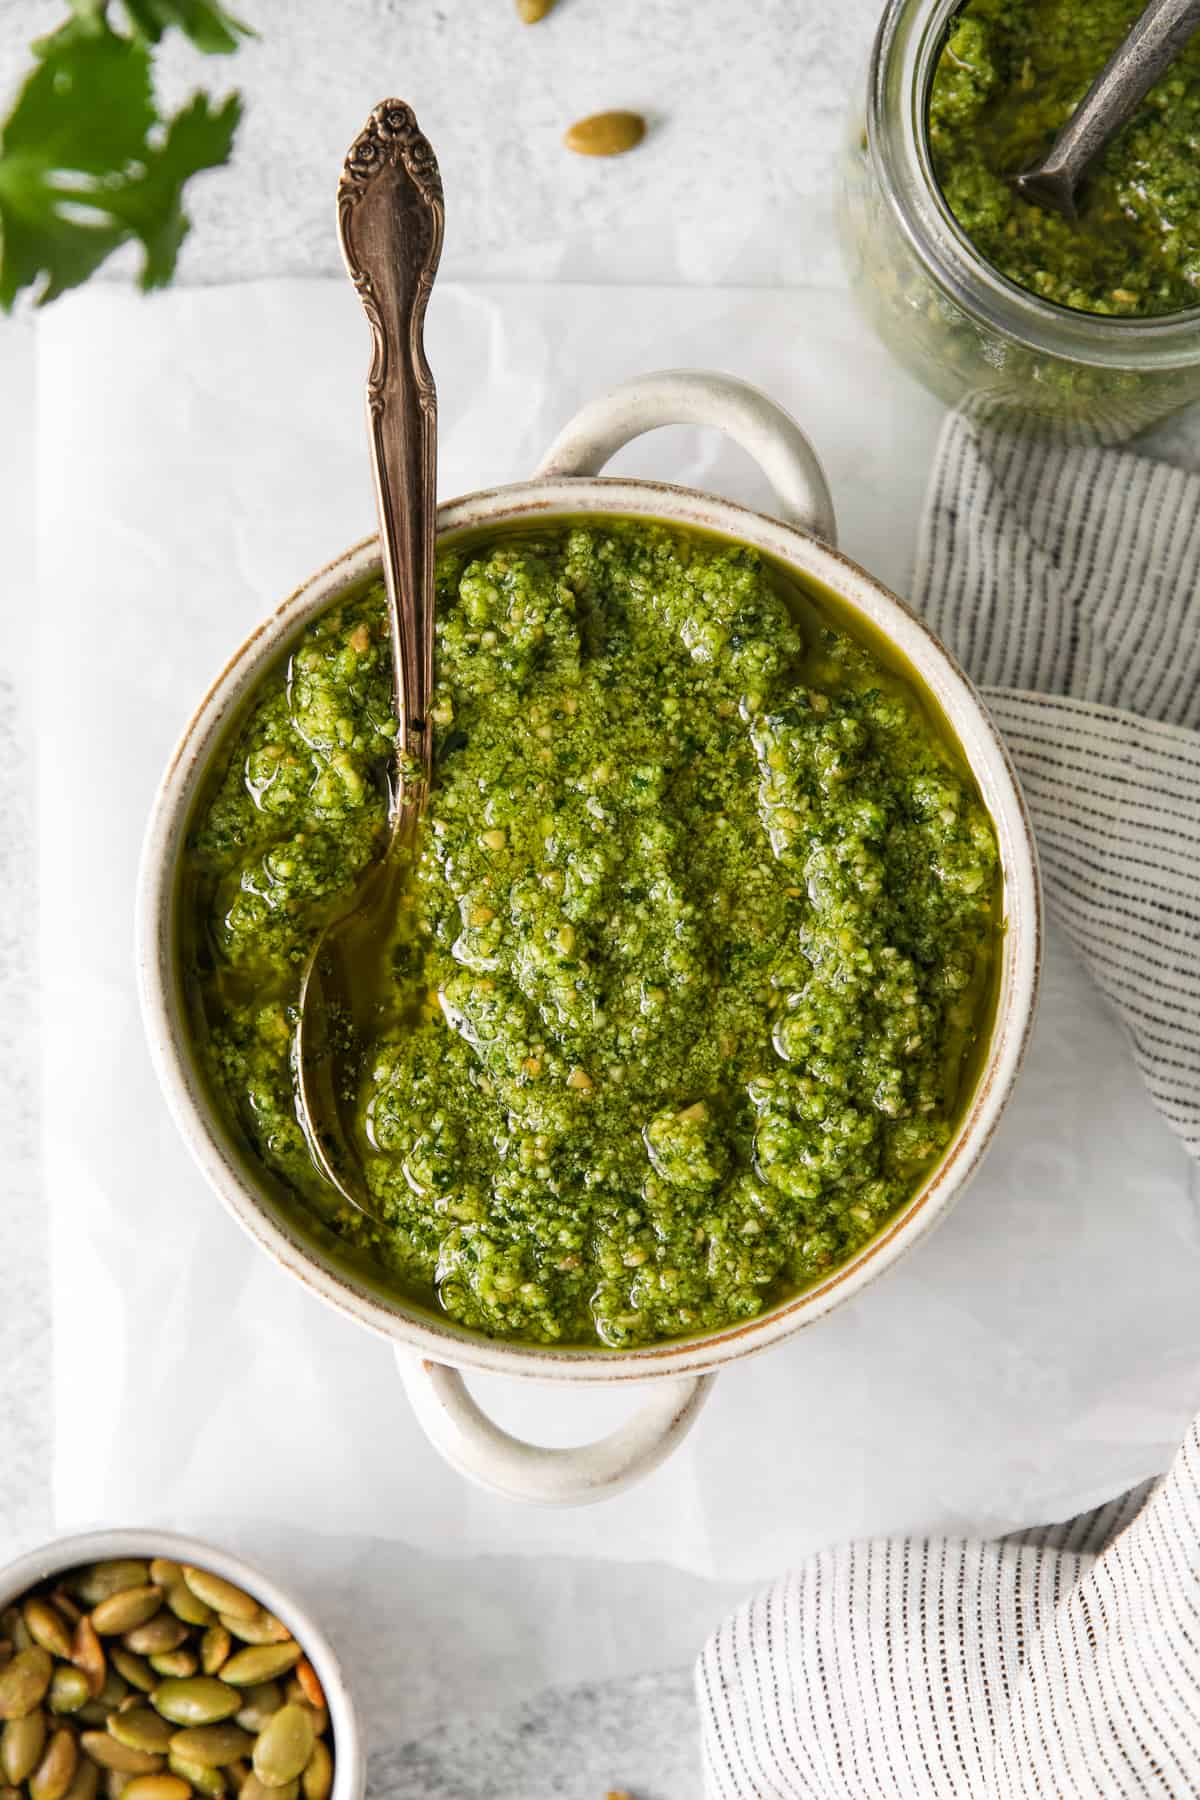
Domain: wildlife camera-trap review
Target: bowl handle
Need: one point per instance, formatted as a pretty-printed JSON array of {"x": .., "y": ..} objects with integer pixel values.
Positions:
[
  {"x": 477, "y": 1447},
  {"x": 699, "y": 397}
]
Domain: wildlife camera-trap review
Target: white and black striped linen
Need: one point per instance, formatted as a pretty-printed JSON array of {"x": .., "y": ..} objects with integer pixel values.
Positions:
[{"x": 1064, "y": 1661}]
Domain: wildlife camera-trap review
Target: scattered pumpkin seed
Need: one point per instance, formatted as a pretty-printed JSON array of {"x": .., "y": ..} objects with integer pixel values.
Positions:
[
  {"x": 283, "y": 1746},
  {"x": 21, "y": 1744},
  {"x": 93, "y": 1585},
  {"x": 262, "y": 1662},
  {"x": 141, "y": 1728},
  {"x": 124, "y": 1612},
  {"x": 56, "y": 1770},
  {"x": 24, "y": 1682},
  {"x": 134, "y": 1669},
  {"x": 220, "y": 1594},
  {"x": 213, "y": 1745},
  {"x": 187, "y": 1606},
  {"x": 606, "y": 133},
  {"x": 164, "y": 1632},
  {"x": 317, "y": 1779},
  {"x": 69, "y": 1689},
  {"x": 47, "y": 1627},
  {"x": 531, "y": 12}
]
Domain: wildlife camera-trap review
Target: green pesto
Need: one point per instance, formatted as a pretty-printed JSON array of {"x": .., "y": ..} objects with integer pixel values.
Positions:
[
  {"x": 697, "y": 952},
  {"x": 1011, "y": 74}
]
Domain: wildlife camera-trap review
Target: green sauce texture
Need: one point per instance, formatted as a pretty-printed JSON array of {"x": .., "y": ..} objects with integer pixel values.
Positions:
[
  {"x": 1011, "y": 74},
  {"x": 699, "y": 947}
]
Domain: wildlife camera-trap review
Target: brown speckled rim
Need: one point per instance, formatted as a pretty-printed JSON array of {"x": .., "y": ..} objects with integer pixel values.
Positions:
[{"x": 438, "y": 1340}]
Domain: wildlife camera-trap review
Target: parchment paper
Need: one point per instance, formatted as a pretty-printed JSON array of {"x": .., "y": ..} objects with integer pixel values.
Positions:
[{"x": 200, "y": 454}]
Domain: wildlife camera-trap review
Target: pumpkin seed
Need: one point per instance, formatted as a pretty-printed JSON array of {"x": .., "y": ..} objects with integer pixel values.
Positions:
[
  {"x": 165, "y": 1573},
  {"x": 531, "y": 12},
  {"x": 47, "y": 1627},
  {"x": 177, "y": 1664},
  {"x": 186, "y": 1606},
  {"x": 104, "y": 1749},
  {"x": 133, "y": 1669},
  {"x": 260, "y": 1704},
  {"x": 254, "y": 1789},
  {"x": 84, "y": 1782},
  {"x": 56, "y": 1771},
  {"x": 164, "y": 1632},
  {"x": 306, "y": 1675},
  {"x": 21, "y": 1639},
  {"x": 215, "y": 1647},
  {"x": 317, "y": 1779},
  {"x": 263, "y": 1662},
  {"x": 69, "y": 1689},
  {"x": 124, "y": 1612},
  {"x": 21, "y": 1744},
  {"x": 24, "y": 1682},
  {"x": 203, "y": 1700},
  {"x": 63, "y": 1603},
  {"x": 142, "y": 1729},
  {"x": 114, "y": 1690},
  {"x": 239, "y": 1774},
  {"x": 263, "y": 1628},
  {"x": 102, "y": 1579},
  {"x": 157, "y": 1787},
  {"x": 209, "y": 1782},
  {"x": 283, "y": 1747},
  {"x": 220, "y": 1594},
  {"x": 213, "y": 1745},
  {"x": 606, "y": 134},
  {"x": 87, "y": 1654}
]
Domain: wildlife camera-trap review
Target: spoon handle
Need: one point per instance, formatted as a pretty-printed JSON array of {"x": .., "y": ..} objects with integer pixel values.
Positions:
[
  {"x": 1145, "y": 55},
  {"x": 390, "y": 221}
]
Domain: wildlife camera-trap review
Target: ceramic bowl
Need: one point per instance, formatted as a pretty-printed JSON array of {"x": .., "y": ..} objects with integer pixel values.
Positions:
[
  {"x": 55, "y": 1558},
  {"x": 433, "y": 1352}
]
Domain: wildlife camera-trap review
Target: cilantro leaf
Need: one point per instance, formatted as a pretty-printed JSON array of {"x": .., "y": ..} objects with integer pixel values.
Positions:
[
  {"x": 208, "y": 25},
  {"x": 85, "y": 165}
]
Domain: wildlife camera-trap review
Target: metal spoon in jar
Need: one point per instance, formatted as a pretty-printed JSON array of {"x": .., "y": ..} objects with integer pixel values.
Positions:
[
  {"x": 1154, "y": 42},
  {"x": 390, "y": 221}
]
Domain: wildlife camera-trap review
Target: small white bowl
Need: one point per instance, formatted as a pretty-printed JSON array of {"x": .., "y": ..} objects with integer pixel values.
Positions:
[
  {"x": 432, "y": 1352},
  {"x": 64, "y": 1553}
]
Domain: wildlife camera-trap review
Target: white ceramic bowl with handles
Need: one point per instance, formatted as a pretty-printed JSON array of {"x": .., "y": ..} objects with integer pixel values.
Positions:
[
  {"x": 432, "y": 1353},
  {"x": 55, "y": 1558}
]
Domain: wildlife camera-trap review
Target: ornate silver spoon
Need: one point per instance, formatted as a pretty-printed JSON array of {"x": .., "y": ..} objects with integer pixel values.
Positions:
[
  {"x": 1131, "y": 71},
  {"x": 390, "y": 221}
]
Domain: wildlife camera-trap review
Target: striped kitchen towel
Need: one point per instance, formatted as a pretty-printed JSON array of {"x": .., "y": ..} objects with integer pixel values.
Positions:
[{"x": 1064, "y": 1661}]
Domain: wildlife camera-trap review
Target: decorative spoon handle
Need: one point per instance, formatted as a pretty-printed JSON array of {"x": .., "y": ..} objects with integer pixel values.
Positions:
[
  {"x": 1152, "y": 45},
  {"x": 390, "y": 221}
]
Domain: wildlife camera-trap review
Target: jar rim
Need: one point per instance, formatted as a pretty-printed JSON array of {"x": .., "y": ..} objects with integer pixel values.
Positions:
[{"x": 903, "y": 59}]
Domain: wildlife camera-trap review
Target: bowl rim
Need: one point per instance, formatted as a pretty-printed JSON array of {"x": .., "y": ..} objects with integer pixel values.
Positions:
[
  {"x": 106, "y": 1544},
  {"x": 977, "y": 736}
]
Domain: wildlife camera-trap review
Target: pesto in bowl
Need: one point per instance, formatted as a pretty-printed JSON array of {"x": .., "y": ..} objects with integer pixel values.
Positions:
[{"x": 699, "y": 953}]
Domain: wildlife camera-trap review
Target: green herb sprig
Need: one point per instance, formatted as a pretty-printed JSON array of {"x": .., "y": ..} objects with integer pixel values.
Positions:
[{"x": 88, "y": 163}]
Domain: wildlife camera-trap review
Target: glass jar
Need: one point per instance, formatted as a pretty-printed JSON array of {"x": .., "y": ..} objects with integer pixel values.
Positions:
[{"x": 951, "y": 317}]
